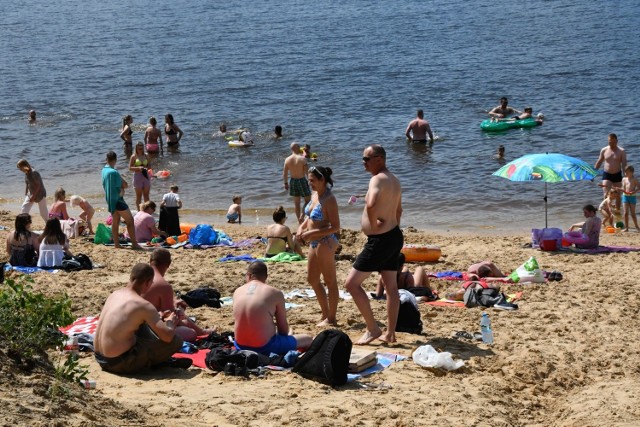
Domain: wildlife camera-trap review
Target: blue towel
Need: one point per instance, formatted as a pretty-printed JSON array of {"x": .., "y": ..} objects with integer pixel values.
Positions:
[
  {"x": 456, "y": 274},
  {"x": 230, "y": 257}
]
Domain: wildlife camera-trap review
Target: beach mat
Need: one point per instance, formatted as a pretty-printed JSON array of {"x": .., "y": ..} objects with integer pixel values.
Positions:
[
  {"x": 606, "y": 250},
  {"x": 235, "y": 258},
  {"x": 443, "y": 302},
  {"x": 384, "y": 361},
  {"x": 29, "y": 270},
  {"x": 246, "y": 243},
  {"x": 198, "y": 358},
  {"x": 82, "y": 325}
]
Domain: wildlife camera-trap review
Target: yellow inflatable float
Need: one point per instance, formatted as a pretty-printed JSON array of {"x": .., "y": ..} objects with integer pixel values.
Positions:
[{"x": 421, "y": 253}]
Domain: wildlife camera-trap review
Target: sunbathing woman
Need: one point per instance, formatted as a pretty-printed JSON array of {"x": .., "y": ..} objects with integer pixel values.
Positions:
[
  {"x": 59, "y": 207},
  {"x": 406, "y": 280},
  {"x": 481, "y": 275},
  {"x": 586, "y": 235},
  {"x": 279, "y": 238},
  {"x": 54, "y": 245}
]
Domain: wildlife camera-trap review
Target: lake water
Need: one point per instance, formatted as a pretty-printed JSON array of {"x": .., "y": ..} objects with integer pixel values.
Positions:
[{"x": 336, "y": 75}]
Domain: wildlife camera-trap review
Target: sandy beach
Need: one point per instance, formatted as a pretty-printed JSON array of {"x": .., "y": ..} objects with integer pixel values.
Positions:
[{"x": 567, "y": 357}]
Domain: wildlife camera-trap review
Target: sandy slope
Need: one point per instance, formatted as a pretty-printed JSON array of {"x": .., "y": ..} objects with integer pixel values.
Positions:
[{"x": 568, "y": 357}]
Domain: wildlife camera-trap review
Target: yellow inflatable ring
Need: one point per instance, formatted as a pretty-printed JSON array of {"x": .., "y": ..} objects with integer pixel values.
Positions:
[{"x": 421, "y": 253}]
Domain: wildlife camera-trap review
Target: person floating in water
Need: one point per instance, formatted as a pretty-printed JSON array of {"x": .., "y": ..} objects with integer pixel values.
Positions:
[
  {"x": 32, "y": 117},
  {"x": 503, "y": 110},
  {"x": 278, "y": 131}
]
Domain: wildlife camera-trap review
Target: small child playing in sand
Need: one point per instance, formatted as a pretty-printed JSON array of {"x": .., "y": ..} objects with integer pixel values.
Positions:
[
  {"x": 87, "y": 210},
  {"x": 630, "y": 187},
  {"x": 235, "y": 212},
  {"x": 606, "y": 208},
  {"x": 59, "y": 207}
]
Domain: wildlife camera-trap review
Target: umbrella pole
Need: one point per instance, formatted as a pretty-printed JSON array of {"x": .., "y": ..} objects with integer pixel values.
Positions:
[{"x": 546, "y": 223}]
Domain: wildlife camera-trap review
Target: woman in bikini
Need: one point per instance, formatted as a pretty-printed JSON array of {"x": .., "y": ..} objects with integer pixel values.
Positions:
[
  {"x": 126, "y": 133},
  {"x": 59, "y": 207},
  {"x": 22, "y": 244},
  {"x": 279, "y": 238},
  {"x": 320, "y": 228},
  {"x": 172, "y": 132},
  {"x": 151, "y": 137},
  {"x": 139, "y": 164}
]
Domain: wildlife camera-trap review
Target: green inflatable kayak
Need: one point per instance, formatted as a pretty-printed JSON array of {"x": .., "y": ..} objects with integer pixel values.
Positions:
[{"x": 489, "y": 126}]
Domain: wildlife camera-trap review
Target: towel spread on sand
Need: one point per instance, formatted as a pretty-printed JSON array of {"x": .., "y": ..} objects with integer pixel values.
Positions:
[
  {"x": 384, "y": 361},
  {"x": 198, "y": 358},
  {"x": 444, "y": 302},
  {"x": 284, "y": 257},
  {"x": 606, "y": 250},
  {"x": 310, "y": 293},
  {"x": 82, "y": 325},
  {"x": 246, "y": 243},
  {"x": 29, "y": 270},
  {"x": 229, "y": 257}
]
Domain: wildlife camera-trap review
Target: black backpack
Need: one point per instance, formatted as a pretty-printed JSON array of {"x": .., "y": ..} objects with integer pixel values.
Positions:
[
  {"x": 327, "y": 360},
  {"x": 77, "y": 262},
  {"x": 202, "y": 296},
  {"x": 409, "y": 319}
]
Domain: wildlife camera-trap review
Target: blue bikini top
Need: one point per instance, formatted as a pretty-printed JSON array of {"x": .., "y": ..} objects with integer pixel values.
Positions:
[{"x": 316, "y": 213}]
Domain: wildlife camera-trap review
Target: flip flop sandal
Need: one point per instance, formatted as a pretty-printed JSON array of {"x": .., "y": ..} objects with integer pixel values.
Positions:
[
  {"x": 463, "y": 334},
  {"x": 477, "y": 336}
]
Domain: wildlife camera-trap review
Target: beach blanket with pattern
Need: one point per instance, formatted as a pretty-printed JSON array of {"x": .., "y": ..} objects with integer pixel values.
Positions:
[
  {"x": 384, "y": 361},
  {"x": 606, "y": 250},
  {"x": 83, "y": 325}
]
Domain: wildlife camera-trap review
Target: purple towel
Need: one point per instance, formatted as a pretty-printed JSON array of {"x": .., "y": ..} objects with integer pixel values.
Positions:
[
  {"x": 612, "y": 249},
  {"x": 230, "y": 257}
]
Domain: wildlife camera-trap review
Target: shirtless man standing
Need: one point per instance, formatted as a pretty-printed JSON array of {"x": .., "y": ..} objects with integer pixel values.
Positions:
[
  {"x": 418, "y": 129},
  {"x": 256, "y": 306},
  {"x": 131, "y": 335},
  {"x": 298, "y": 186},
  {"x": 380, "y": 222},
  {"x": 161, "y": 295},
  {"x": 503, "y": 110},
  {"x": 615, "y": 161}
]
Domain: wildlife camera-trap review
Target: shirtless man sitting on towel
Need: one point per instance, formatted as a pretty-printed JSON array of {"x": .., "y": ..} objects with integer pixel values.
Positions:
[
  {"x": 256, "y": 307},
  {"x": 131, "y": 335}
]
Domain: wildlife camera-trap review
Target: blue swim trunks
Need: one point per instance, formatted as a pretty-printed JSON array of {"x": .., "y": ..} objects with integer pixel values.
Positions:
[
  {"x": 631, "y": 200},
  {"x": 279, "y": 344},
  {"x": 233, "y": 217}
]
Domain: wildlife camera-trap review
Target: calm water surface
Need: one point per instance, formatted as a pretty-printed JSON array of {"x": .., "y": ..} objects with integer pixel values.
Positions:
[{"x": 335, "y": 75}]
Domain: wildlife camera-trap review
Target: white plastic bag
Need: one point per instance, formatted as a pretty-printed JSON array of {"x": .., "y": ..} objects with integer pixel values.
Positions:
[
  {"x": 429, "y": 357},
  {"x": 528, "y": 272}
]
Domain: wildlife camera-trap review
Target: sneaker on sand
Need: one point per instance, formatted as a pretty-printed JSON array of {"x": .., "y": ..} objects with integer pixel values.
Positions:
[{"x": 504, "y": 305}]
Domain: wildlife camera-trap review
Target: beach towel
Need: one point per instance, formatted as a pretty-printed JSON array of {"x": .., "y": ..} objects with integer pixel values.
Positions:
[
  {"x": 384, "y": 360},
  {"x": 246, "y": 243},
  {"x": 198, "y": 358},
  {"x": 606, "y": 250},
  {"x": 229, "y": 257},
  {"x": 310, "y": 293},
  {"x": 449, "y": 275},
  {"x": 443, "y": 302},
  {"x": 29, "y": 270},
  {"x": 284, "y": 257},
  {"x": 82, "y": 325}
]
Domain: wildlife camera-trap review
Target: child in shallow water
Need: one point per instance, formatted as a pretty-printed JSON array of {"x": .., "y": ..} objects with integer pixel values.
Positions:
[{"x": 235, "y": 211}]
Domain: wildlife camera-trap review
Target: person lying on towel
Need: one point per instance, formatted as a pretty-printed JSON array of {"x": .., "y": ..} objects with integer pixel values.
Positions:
[
  {"x": 485, "y": 270},
  {"x": 406, "y": 280}
]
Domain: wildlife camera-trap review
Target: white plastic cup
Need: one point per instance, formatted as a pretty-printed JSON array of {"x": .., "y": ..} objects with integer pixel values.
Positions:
[{"x": 352, "y": 200}]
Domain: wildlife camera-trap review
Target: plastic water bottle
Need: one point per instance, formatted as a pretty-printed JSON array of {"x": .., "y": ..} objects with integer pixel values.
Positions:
[{"x": 485, "y": 327}]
